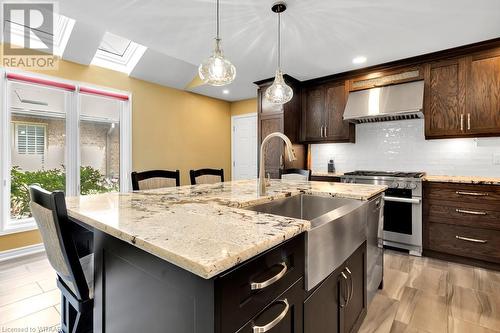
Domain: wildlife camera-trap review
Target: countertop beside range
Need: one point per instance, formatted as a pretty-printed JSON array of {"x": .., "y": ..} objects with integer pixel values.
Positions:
[
  {"x": 203, "y": 229},
  {"x": 463, "y": 179}
]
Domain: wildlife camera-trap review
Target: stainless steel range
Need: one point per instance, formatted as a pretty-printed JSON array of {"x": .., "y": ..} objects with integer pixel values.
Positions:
[{"x": 402, "y": 209}]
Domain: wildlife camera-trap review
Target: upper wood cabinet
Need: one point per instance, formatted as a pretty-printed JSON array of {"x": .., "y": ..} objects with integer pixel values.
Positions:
[
  {"x": 444, "y": 100},
  {"x": 483, "y": 94},
  {"x": 322, "y": 114},
  {"x": 462, "y": 97}
]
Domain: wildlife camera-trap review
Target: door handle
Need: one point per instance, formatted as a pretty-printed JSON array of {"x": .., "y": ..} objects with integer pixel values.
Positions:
[
  {"x": 267, "y": 327},
  {"x": 346, "y": 300},
  {"x": 404, "y": 200},
  {"x": 473, "y": 240},
  {"x": 268, "y": 282},
  {"x": 351, "y": 292}
]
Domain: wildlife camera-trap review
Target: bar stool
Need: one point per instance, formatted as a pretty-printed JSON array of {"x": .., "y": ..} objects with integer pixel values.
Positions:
[
  {"x": 152, "y": 179},
  {"x": 206, "y": 176},
  {"x": 295, "y": 174}
]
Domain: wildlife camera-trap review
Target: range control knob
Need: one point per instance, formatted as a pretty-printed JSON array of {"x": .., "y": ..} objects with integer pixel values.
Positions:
[
  {"x": 402, "y": 185},
  {"x": 412, "y": 186},
  {"x": 394, "y": 185}
]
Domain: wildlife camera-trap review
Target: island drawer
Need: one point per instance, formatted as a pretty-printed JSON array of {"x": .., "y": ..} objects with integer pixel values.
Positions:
[
  {"x": 467, "y": 193},
  {"x": 477, "y": 243},
  {"x": 245, "y": 291}
]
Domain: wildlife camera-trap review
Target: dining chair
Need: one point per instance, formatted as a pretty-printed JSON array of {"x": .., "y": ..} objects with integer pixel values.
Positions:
[
  {"x": 75, "y": 276},
  {"x": 295, "y": 174},
  {"x": 206, "y": 176},
  {"x": 152, "y": 179}
]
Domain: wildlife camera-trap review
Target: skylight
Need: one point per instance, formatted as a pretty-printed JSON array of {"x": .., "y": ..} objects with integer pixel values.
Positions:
[
  {"x": 63, "y": 26},
  {"x": 118, "y": 53}
]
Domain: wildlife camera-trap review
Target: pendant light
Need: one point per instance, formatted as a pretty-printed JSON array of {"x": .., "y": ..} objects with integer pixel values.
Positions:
[
  {"x": 279, "y": 92},
  {"x": 217, "y": 70}
]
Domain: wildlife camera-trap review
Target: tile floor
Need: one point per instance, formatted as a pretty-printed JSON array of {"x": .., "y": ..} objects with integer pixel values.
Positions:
[{"x": 420, "y": 295}]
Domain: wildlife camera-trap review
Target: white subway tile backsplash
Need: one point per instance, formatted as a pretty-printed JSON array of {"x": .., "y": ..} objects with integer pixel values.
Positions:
[{"x": 401, "y": 146}]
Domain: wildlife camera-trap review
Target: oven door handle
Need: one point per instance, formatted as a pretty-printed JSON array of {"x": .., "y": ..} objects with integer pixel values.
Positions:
[{"x": 404, "y": 200}]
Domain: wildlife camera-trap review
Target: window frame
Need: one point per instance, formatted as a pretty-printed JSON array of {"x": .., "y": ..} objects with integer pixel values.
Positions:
[{"x": 72, "y": 149}]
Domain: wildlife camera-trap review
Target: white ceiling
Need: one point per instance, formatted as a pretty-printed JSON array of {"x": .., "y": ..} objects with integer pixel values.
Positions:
[{"x": 320, "y": 37}]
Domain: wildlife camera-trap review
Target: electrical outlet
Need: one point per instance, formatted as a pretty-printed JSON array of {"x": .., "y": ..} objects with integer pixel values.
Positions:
[{"x": 496, "y": 158}]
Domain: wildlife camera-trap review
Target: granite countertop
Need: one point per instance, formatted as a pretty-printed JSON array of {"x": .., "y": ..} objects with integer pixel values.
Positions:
[
  {"x": 464, "y": 179},
  {"x": 202, "y": 228},
  {"x": 326, "y": 174}
]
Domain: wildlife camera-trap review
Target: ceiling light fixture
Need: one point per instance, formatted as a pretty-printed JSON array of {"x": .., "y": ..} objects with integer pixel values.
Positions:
[
  {"x": 217, "y": 70},
  {"x": 359, "y": 60},
  {"x": 225, "y": 91},
  {"x": 279, "y": 92}
]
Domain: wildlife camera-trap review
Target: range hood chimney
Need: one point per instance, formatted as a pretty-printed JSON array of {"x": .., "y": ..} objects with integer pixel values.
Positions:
[{"x": 395, "y": 102}]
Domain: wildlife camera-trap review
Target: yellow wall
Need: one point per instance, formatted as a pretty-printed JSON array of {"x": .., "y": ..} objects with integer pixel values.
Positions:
[
  {"x": 243, "y": 107},
  {"x": 171, "y": 129}
]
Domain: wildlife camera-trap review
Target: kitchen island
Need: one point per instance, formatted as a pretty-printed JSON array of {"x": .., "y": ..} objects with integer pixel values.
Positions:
[{"x": 163, "y": 256}]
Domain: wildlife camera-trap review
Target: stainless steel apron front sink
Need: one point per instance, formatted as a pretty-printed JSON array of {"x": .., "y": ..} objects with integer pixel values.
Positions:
[{"x": 338, "y": 227}]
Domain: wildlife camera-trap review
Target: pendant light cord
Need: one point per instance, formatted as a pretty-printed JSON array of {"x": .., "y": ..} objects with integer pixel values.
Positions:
[
  {"x": 217, "y": 10},
  {"x": 279, "y": 41}
]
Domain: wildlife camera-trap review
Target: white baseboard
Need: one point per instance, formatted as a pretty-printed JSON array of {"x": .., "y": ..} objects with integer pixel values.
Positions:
[{"x": 21, "y": 252}]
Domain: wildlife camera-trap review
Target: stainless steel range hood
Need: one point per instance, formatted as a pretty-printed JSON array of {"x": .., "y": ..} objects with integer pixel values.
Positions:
[{"x": 396, "y": 102}]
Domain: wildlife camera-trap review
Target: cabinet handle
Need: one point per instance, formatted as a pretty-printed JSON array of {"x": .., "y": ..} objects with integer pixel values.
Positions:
[
  {"x": 351, "y": 292},
  {"x": 470, "y": 212},
  {"x": 267, "y": 283},
  {"x": 346, "y": 301},
  {"x": 326, "y": 131},
  {"x": 468, "y": 121},
  {"x": 462, "y": 122},
  {"x": 275, "y": 321},
  {"x": 474, "y": 194},
  {"x": 473, "y": 240},
  {"x": 321, "y": 131}
]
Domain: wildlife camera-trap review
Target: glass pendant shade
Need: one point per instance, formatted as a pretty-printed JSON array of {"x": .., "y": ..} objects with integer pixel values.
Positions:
[
  {"x": 279, "y": 92},
  {"x": 217, "y": 70}
]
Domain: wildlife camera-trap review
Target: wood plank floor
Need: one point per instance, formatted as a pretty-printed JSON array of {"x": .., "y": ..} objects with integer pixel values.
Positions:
[{"x": 420, "y": 295}]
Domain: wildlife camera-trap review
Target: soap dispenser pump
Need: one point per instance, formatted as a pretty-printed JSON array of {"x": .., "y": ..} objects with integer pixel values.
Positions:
[{"x": 331, "y": 166}]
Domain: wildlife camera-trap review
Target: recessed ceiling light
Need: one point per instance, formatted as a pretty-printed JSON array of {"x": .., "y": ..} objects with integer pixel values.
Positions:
[
  {"x": 359, "y": 60},
  {"x": 225, "y": 91}
]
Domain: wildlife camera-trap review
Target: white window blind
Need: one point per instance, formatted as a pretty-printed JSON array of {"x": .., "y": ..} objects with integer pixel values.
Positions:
[{"x": 30, "y": 139}]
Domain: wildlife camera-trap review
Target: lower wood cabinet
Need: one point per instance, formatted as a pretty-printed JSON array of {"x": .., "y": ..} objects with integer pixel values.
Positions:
[
  {"x": 462, "y": 223},
  {"x": 339, "y": 303}
]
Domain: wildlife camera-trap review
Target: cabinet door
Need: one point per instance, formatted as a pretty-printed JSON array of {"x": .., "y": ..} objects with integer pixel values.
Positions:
[
  {"x": 483, "y": 97},
  {"x": 273, "y": 151},
  {"x": 336, "y": 128},
  {"x": 355, "y": 310},
  {"x": 313, "y": 110},
  {"x": 445, "y": 99},
  {"x": 321, "y": 308},
  {"x": 283, "y": 315}
]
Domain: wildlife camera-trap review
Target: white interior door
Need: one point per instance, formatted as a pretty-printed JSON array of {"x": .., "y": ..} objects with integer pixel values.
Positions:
[{"x": 244, "y": 146}]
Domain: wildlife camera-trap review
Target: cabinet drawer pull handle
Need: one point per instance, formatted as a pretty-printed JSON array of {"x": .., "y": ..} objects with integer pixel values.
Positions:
[
  {"x": 474, "y": 194},
  {"x": 275, "y": 321},
  {"x": 473, "y": 240},
  {"x": 468, "y": 121},
  {"x": 267, "y": 283},
  {"x": 470, "y": 212},
  {"x": 462, "y": 122},
  {"x": 346, "y": 300},
  {"x": 351, "y": 292}
]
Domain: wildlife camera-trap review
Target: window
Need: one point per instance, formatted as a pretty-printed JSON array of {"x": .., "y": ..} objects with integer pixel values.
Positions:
[
  {"x": 118, "y": 53},
  {"x": 63, "y": 26},
  {"x": 30, "y": 139},
  {"x": 62, "y": 136}
]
